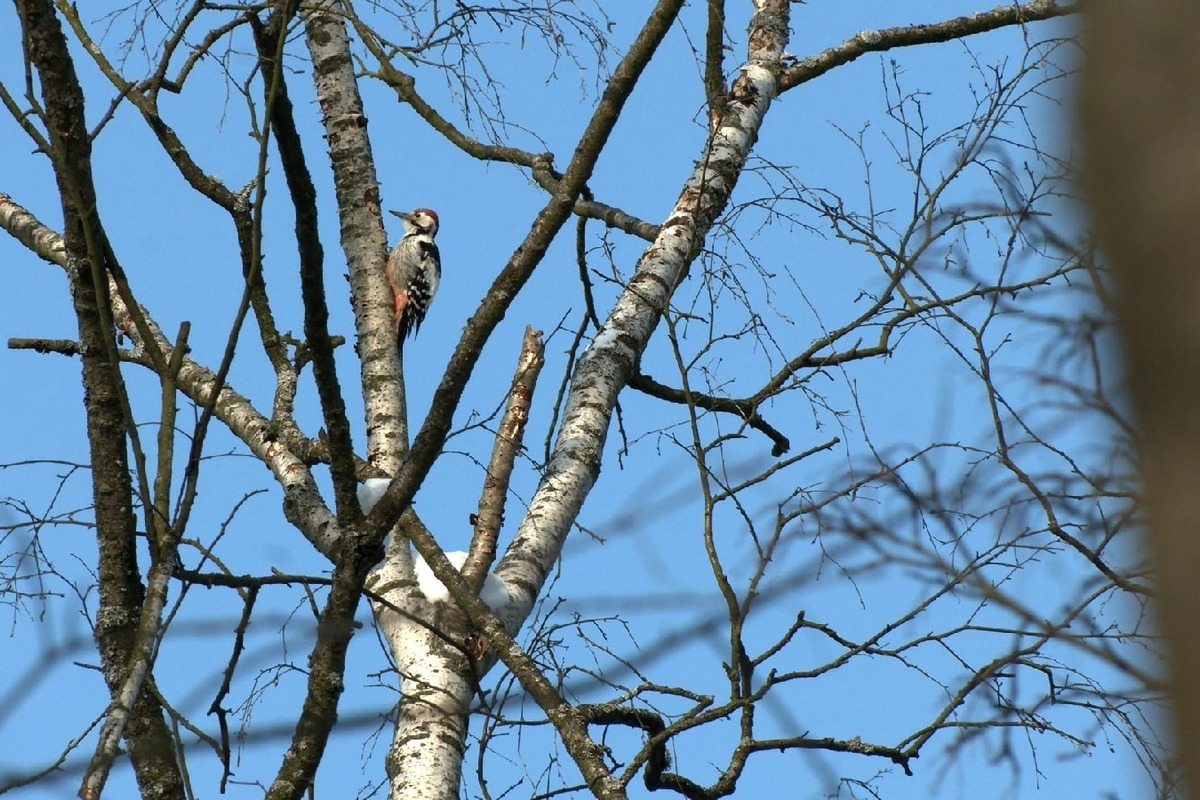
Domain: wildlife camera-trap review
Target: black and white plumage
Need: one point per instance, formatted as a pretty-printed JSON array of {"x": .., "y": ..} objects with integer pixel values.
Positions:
[{"x": 414, "y": 270}]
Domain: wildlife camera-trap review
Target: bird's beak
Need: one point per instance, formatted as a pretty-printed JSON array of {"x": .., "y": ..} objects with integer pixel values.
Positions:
[{"x": 402, "y": 215}]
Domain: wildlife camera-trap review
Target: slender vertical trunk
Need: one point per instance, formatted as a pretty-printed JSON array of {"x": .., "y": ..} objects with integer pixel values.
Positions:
[{"x": 149, "y": 741}]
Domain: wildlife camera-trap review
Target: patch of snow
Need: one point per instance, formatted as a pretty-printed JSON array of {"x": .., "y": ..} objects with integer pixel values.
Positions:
[
  {"x": 371, "y": 490},
  {"x": 494, "y": 592}
]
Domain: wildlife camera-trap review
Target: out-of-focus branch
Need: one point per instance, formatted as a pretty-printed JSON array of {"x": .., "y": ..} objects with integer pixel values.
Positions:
[{"x": 1140, "y": 121}]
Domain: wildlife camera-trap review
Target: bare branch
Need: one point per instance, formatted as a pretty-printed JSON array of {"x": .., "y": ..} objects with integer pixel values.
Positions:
[
  {"x": 508, "y": 443},
  {"x": 806, "y": 69}
]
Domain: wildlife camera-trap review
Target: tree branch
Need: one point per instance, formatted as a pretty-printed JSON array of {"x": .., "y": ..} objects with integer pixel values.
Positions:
[
  {"x": 877, "y": 41},
  {"x": 303, "y": 505},
  {"x": 746, "y": 408},
  {"x": 506, "y": 445},
  {"x": 429, "y": 441},
  {"x": 269, "y": 39},
  {"x": 126, "y": 619},
  {"x": 363, "y": 239}
]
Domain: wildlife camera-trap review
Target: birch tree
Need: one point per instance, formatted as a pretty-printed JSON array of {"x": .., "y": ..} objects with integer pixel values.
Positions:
[{"x": 989, "y": 565}]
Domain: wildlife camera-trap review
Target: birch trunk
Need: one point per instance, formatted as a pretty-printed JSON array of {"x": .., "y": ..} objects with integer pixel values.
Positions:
[
  {"x": 606, "y": 365},
  {"x": 425, "y": 759}
]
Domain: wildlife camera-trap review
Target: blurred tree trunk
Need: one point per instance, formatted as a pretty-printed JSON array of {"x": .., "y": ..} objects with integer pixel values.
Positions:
[{"x": 1141, "y": 124}]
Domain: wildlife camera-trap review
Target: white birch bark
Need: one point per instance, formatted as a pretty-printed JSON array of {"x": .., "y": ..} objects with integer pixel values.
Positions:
[
  {"x": 364, "y": 241},
  {"x": 425, "y": 758},
  {"x": 606, "y": 364}
]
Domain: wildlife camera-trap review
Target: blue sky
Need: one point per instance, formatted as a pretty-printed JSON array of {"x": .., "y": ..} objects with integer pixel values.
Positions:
[{"x": 643, "y": 579}]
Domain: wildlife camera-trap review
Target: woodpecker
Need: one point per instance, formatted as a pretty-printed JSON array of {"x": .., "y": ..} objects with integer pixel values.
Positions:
[{"x": 414, "y": 270}]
